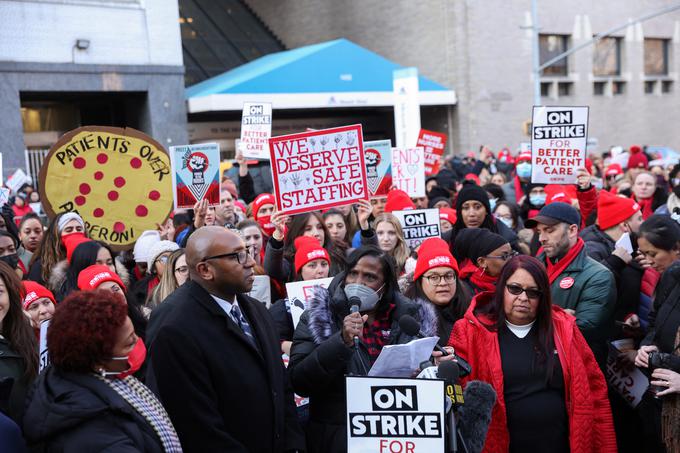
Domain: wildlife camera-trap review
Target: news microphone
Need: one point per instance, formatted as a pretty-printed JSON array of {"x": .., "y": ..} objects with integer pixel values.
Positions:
[
  {"x": 355, "y": 303},
  {"x": 475, "y": 417},
  {"x": 450, "y": 373},
  {"x": 412, "y": 327}
]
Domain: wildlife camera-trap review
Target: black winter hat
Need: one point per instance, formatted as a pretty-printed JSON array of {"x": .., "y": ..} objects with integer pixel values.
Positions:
[
  {"x": 473, "y": 243},
  {"x": 469, "y": 192}
]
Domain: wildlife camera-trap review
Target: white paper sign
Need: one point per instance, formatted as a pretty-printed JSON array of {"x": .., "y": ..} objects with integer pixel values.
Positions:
[
  {"x": 43, "y": 357},
  {"x": 261, "y": 290},
  {"x": 256, "y": 129},
  {"x": 4, "y": 195},
  {"x": 628, "y": 381},
  {"x": 16, "y": 180},
  {"x": 401, "y": 360},
  {"x": 395, "y": 415},
  {"x": 406, "y": 107},
  {"x": 300, "y": 292},
  {"x": 418, "y": 225},
  {"x": 558, "y": 143},
  {"x": 408, "y": 170}
]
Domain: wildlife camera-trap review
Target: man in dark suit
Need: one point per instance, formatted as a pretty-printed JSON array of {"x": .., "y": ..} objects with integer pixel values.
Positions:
[{"x": 215, "y": 360}]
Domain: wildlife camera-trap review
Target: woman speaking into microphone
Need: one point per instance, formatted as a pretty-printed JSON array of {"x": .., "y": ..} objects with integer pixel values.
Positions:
[{"x": 552, "y": 396}]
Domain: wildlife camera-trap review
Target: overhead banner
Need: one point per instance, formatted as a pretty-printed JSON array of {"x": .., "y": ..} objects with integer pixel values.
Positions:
[
  {"x": 433, "y": 144},
  {"x": 300, "y": 292},
  {"x": 195, "y": 174},
  {"x": 558, "y": 143},
  {"x": 318, "y": 169},
  {"x": 406, "y": 107},
  {"x": 408, "y": 171},
  {"x": 418, "y": 225},
  {"x": 118, "y": 180},
  {"x": 256, "y": 129},
  {"x": 378, "y": 158},
  {"x": 394, "y": 415}
]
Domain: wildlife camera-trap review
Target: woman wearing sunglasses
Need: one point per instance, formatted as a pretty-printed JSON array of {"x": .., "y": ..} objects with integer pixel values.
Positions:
[{"x": 552, "y": 396}]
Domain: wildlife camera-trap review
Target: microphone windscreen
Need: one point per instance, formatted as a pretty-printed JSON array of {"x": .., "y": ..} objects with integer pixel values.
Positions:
[
  {"x": 409, "y": 325},
  {"x": 475, "y": 414},
  {"x": 449, "y": 371}
]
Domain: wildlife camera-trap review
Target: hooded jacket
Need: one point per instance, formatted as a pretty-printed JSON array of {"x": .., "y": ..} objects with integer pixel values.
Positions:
[
  {"x": 68, "y": 412},
  {"x": 591, "y": 428}
]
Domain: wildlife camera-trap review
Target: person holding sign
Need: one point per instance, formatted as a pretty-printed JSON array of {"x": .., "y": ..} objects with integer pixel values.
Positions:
[
  {"x": 552, "y": 397},
  {"x": 330, "y": 342}
]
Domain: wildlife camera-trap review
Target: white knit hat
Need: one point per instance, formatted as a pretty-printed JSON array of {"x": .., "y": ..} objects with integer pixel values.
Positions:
[
  {"x": 157, "y": 249},
  {"x": 144, "y": 244}
]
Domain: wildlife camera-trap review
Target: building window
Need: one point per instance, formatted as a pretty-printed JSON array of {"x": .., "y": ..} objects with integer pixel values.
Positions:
[
  {"x": 666, "y": 86},
  {"x": 598, "y": 88},
  {"x": 607, "y": 57},
  {"x": 545, "y": 89},
  {"x": 656, "y": 56},
  {"x": 649, "y": 86},
  {"x": 550, "y": 47},
  {"x": 564, "y": 88},
  {"x": 618, "y": 87}
]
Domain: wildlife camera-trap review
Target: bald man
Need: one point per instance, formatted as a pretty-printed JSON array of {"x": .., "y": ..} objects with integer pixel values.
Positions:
[{"x": 215, "y": 358}]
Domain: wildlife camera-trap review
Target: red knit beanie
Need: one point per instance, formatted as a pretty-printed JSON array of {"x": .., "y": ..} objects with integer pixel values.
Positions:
[
  {"x": 612, "y": 209},
  {"x": 473, "y": 177},
  {"x": 261, "y": 200},
  {"x": 434, "y": 252},
  {"x": 613, "y": 169},
  {"x": 558, "y": 192},
  {"x": 91, "y": 277},
  {"x": 308, "y": 249},
  {"x": 398, "y": 200},
  {"x": 71, "y": 241},
  {"x": 523, "y": 156},
  {"x": 448, "y": 214},
  {"x": 34, "y": 291},
  {"x": 637, "y": 158}
]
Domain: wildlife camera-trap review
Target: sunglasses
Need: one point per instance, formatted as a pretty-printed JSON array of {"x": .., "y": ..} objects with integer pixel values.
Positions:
[{"x": 516, "y": 290}]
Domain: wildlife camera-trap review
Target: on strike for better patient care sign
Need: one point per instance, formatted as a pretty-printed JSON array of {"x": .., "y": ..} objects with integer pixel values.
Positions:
[
  {"x": 558, "y": 143},
  {"x": 318, "y": 169}
]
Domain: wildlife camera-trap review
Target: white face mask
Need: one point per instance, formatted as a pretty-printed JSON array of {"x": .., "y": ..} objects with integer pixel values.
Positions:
[
  {"x": 369, "y": 298},
  {"x": 523, "y": 170},
  {"x": 506, "y": 222}
]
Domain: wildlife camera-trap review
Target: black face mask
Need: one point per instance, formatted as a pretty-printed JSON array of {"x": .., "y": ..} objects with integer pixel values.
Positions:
[{"x": 11, "y": 260}]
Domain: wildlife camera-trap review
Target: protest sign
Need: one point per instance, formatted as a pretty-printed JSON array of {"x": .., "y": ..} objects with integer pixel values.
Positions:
[
  {"x": 16, "y": 180},
  {"x": 378, "y": 158},
  {"x": 43, "y": 357},
  {"x": 418, "y": 225},
  {"x": 195, "y": 174},
  {"x": 4, "y": 195},
  {"x": 318, "y": 169},
  {"x": 256, "y": 129},
  {"x": 394, "y": 415},
  {"x": 408, "y": 171},
  {"x": 117, "y": 180},
  {"x": 261, "y": 290},
  {"x": 406, "y": 107},
  {"x": 626, "y": 379},
  {"x": 300, "y": 292},
  {"x": 558, "y": 143},
  {"x": 433, "y": 144}
]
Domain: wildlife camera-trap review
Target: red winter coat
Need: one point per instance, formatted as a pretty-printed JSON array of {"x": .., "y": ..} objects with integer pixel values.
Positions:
[{"x": 591, "y": 428}]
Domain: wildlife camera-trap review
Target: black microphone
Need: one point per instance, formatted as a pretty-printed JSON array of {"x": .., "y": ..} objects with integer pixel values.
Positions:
[
  {"x": 355, "y": 304},
  {"x": 450, "y": 373},
  {"x": 475, "y": 416}
]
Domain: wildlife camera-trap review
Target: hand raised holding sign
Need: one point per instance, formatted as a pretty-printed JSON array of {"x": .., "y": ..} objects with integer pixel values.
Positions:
[
  {"x": 242, "y": 164},
  {"x": 364, "y": 209},
  {"x": 200, "y": 210},
  {"x": 279, "y": 219},
  {"x": 583, "y": 178}
]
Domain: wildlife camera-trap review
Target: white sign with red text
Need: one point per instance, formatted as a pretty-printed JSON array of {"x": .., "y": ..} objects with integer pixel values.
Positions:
[{"x": 256, "y": 129}]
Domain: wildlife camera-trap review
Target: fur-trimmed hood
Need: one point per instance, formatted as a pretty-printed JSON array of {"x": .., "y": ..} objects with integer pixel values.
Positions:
[{"x": 57, "y": 278}]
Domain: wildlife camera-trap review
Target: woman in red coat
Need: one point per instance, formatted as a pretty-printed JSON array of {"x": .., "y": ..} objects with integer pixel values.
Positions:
[{"x": 552, "y": 397}]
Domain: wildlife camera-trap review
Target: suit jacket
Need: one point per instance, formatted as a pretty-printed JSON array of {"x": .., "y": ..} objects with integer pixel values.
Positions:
[{"x": 221, "y": 392}]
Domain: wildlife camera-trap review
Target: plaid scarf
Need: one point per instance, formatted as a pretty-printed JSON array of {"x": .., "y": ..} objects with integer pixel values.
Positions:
[
  {"x": 377, "y": 335},
  {"x": 147, "y": 405}
]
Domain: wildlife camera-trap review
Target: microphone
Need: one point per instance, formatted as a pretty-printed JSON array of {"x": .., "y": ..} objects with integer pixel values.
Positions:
[
  {"x": 355, "y": 303},
  {"x": 475, "y": 416},
  {"x": 450, "y": 373},
  {"x": 412, "y": 327}
]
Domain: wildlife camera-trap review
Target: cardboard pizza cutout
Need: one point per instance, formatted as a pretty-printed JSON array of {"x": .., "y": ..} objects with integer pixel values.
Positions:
[{"x": 118, "y": 180}]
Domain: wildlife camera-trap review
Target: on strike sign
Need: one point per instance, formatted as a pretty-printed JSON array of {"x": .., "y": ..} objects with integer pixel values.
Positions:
[
  {"x": 395, "y": 415},
  {"x": 418, "y": 225},
  {"x": 433, "y": 144},
  {"x": 318, "y": 169},
  {"x": 558, "y": 143},
  {"x": 256, "y": 128}
]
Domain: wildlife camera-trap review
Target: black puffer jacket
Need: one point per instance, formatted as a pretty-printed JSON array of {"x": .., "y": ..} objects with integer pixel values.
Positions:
[
  {"x": 664, "y": 319},
  {"x": 68, "y": 412},
  {"x": 320, "y": 359}
]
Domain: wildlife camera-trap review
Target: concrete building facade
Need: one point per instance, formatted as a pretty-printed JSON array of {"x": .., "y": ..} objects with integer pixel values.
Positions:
[
  {"x": 483, "y": 50},
  {"x": 70, "y": 63}
]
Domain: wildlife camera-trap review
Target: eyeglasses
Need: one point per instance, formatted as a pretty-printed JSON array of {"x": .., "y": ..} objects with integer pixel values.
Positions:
[
  {"x": 516, "y": 290},
  {"x": 435, "y": 279},
  {"x": 182, "y": 270},
  {"x": 505, "y": 256},
  {"x": 241, "y": 257}
]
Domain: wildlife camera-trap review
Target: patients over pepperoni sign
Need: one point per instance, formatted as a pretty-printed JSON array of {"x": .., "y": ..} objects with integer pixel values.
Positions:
[{"x": 118, "y": 180}]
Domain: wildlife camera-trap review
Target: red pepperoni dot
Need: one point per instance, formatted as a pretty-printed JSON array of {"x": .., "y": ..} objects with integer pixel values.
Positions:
[
  {"x": 99, "y": 212},
  {"x": 98, "y": 175},
  {"x": 80, "y": 200},
  {"x": 154, "y": 195},
  {"x": 113, "y": 195},
  {"x": 136, "y": 162},
  {"x": 79, "y": 163},
  {"x": 119, "y": 227},
  {"x": 141, "y": 210},
  {"x": 102, "y": 158},
  {"x": 85, "y": 188},
  {"x": 119, "y": 181}
]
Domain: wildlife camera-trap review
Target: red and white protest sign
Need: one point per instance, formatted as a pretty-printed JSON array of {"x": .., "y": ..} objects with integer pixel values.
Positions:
[
  {"x": 318, "y": 169},
  {"x": 433, "y": 144},
  {"x": 408, "y": 171},
  {"x": 558, "y": 143},
  {"x": 256, "y": 128}
]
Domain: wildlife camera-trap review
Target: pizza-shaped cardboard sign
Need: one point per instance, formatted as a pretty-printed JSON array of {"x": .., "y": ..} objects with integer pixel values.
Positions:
[{"x": 118, "y": 180}]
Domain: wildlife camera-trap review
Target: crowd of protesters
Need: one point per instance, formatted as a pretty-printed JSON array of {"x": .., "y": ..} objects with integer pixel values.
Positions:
[{"x": 161, "y": 349}]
